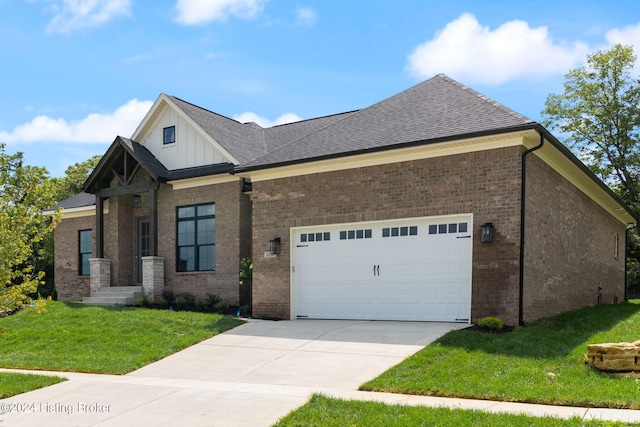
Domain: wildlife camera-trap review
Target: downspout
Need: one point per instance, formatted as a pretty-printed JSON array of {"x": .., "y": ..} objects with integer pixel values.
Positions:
[
  {"x": 523, "y": 182},
  {"x": 626, "y": 256}
]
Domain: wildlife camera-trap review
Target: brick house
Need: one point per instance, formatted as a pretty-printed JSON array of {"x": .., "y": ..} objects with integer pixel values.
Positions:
[{"x": 437, "y": 204}]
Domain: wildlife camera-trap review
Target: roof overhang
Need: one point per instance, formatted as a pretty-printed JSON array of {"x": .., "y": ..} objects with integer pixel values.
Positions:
[
  {"x": 156, "y": 112},
  {"x": 80, "y": 211},
  {"x": 554, "y": 153}
]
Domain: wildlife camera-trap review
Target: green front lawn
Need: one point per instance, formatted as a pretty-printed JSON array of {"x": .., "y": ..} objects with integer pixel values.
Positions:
[
  {"x": 542, "y": 362},
  {"x": 12, "y": 384},
  {"x": 109, "y": 340},
  {"x": 323, "y": 411}
]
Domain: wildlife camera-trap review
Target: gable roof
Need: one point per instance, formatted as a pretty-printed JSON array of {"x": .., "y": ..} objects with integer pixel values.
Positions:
[
  {"x": 436, "y": 109},
  {"x": 248, "y": 141},
  {"x": 103, "y": 172}
]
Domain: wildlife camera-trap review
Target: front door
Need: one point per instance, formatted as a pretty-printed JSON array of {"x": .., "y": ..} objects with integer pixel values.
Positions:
[{"x": 143, "y": 245}]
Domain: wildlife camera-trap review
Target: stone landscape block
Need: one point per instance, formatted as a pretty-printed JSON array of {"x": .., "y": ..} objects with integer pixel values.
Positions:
[{"x": 615, "y": 357}]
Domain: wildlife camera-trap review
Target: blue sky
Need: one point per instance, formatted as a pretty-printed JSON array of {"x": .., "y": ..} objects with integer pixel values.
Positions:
[{"x": 77, "y": 73}]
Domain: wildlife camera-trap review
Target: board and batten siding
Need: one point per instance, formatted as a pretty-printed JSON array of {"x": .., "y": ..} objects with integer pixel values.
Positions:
[{"x": 190, "y": 149}]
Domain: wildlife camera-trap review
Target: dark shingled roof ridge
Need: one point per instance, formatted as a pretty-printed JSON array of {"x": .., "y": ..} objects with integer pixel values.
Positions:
[{"x": 434, "y": 109}]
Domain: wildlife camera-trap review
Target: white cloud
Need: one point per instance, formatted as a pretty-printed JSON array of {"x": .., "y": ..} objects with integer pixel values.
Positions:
[
  {"x": 77, "y": 14},
  {"x": 629, "y": 35},
  {"x": 249, "y": 116},
  {"x": 305, "y": 16},
  {"x": 93, "y": 129},
  {"x": 197, "y": 12},
  {"x": 466, "y": 50}
]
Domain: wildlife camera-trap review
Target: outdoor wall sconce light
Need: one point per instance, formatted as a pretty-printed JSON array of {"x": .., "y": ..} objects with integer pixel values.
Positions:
[
  {"x": 137, "y": 201},
  {"x": 486, "y": 232},
  {"x": 275, "y": 246}
]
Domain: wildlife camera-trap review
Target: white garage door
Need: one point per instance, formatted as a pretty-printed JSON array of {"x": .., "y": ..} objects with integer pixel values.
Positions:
[{"x": 418, "y": 269}]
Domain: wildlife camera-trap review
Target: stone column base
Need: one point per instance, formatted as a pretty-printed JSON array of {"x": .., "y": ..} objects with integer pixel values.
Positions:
[
  {"x": 153, "y": 277},
  {"x": 100, "y": 271}
]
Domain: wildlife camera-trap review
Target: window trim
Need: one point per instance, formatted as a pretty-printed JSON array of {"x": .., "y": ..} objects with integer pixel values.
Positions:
[
  {"x": 195, "y": 244},
  {"x": 81, "y": 272},
  {"x": 165, "y": 141}
]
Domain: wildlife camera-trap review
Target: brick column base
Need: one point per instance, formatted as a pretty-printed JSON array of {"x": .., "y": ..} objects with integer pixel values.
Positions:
[
  {"x": 153, "y": 277},
  {"x": 100, "y": 270}
]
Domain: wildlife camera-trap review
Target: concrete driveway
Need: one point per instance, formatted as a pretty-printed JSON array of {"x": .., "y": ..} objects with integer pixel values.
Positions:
[{"x": 249, "y": 376}]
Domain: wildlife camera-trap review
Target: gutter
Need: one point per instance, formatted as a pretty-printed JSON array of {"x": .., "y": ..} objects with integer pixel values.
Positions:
[{"x": 523, "y": 183}]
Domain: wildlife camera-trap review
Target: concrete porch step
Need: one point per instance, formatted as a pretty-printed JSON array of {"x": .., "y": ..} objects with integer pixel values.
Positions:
[{"x": 114, "y": 295}]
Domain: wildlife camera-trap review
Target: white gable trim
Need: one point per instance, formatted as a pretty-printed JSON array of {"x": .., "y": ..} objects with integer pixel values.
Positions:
[
  {"x": 80, "y": 211},
  {"x": 156, "y": 112},
  {"x": 202, "y": 181}
]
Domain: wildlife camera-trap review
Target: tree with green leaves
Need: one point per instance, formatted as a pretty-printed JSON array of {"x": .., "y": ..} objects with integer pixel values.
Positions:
[
  {"x": 64, "y": 187},
  {"x": 598, "y": 114},
  {"x": 25, "y": 191}
]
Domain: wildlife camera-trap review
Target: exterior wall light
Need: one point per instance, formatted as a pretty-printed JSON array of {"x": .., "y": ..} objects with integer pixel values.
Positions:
[
  {"x": 136, "y": 201},
  {"x": 275, "y": 246},
  {"x": 486, "y": 232}
]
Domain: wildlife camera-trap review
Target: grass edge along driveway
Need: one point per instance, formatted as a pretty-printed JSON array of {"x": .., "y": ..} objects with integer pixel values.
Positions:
[
  {"x": 107, "y": 340},
  {"x": 325, "y": 411},
  {"x": 542, "y": 362}
]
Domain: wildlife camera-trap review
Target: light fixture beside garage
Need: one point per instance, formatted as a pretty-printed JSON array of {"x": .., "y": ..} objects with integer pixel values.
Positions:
[
  {"x": 275, "y": 246},
  {"x": 486, "y": 232}
]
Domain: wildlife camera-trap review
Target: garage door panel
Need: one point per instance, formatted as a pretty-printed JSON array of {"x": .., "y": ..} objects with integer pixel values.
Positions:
[{"x": 390, "y": 270}]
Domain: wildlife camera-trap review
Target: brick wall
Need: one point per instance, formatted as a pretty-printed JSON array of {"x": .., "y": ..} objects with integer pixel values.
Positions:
[
  {"x": 70, "y": 286},
  {"x": 569, "y": 249},
  {"x": 231, "y": 208},
  {"x": 486, "y": 184},
  {"x": 233, "y": 241}
]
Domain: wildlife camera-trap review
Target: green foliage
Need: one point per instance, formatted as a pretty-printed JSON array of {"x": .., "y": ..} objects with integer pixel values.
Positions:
[
  {"x": 329, "y": 412},
  {"x": 115, "y": 340},
  {"x": 25, "y": 191},
  {"x": 221, "y": 307},
  {"x": 182, "y": 303},
  {"x": 599, "y": 113},
  {"x": 143, "y": 302},
  {"x": 490, "y": 323},
  {"x": 246, "y": 270},
  {"x": 540, "y": 363},
  {"x": 73, "y": 180},
  {"x": 14, "y": 383}
]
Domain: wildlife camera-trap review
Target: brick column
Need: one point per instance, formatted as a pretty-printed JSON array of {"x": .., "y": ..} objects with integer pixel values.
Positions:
[
  {"x": 100, "y": 270},
  {"x": 153, "y": 277}
]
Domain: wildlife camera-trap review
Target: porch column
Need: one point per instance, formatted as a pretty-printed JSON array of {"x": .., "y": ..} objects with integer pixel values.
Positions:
[
  {"x": 153, "y": 221},
  {"x": 100, "y": 270},
  {"x": 153, "y": 277},
  {"x": 99, "y": 227}
]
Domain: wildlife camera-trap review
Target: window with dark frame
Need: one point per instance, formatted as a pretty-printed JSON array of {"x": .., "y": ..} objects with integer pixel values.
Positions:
[
  {"x": 169, "y": 135},
  {"x": 196, "y": 238},
  {"x": 85, "y": 250}
]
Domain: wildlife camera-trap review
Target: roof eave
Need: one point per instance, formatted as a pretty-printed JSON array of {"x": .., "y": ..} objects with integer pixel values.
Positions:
[{"x": 524, "y": 127}]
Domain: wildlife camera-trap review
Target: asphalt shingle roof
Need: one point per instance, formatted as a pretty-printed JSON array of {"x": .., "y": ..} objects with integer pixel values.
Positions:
[
  {"x": 436, "y": 109},
  {"x": 77, "y": 201}
]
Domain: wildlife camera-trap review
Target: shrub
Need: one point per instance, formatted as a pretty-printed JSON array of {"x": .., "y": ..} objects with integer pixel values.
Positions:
[
  {"x": 168, "y": 299},
  {"x": 200, "y": 305},
  {"x": 213, "y": 299},
  {"x": 490, "y": 323},
  {"x": 181, "y": 303},
  {"x": 185, "y": 301},
  {"x": 143, "y": 302},
  {"x": 245, "y": 310},
  {"x": 221, "y": 307}
]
